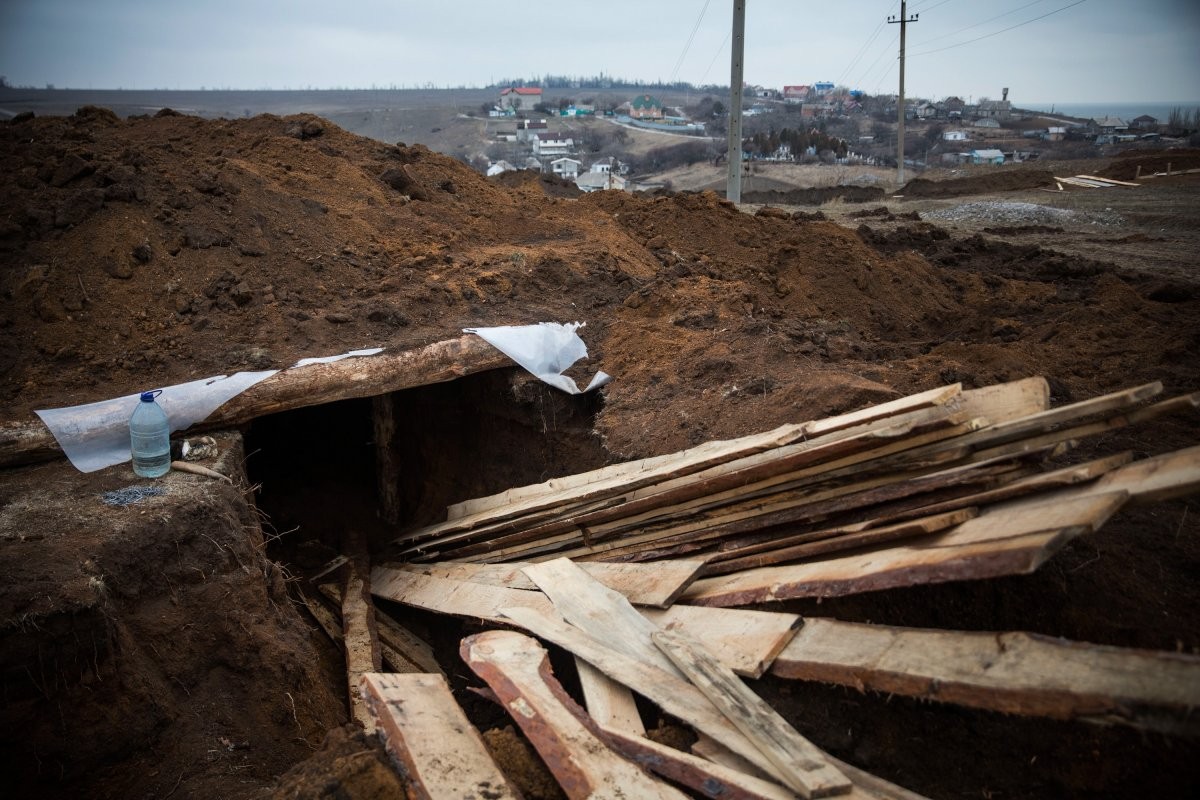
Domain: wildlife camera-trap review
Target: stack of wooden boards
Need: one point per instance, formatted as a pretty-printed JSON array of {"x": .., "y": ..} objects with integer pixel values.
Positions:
[
  {"x": 745, "y": 749},
  {"x": 629, "y": 568},
  {"x": 943, "y": 485}
]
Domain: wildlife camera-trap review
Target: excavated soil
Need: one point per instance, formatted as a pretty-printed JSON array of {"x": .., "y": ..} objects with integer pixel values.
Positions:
[{"x": 156, "y": 250}]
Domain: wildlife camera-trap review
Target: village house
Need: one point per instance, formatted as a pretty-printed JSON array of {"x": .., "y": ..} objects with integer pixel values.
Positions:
[
  {"x": 796, "y": 94},
  {"x": 520, "y": 97},
  {"x": 1144, "y": 122},
  {"x": 954, "y": 136},
  {"x": 566, "y": 167},
  {"x": 551, "y": 145},
  {"x": 599, "y": 181},
  {"x": 987, "y": 157},
  {"x": 1107, "y": 125},
  {"x": 994, "y": 109},
  {"x": 609, "y": 164},
  {"x": 528, "y": 129},
  {"x": 646, "y": 106}
]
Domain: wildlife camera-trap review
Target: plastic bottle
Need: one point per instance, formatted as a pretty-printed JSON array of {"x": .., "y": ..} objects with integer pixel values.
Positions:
[{"x": 150, "y": 437}]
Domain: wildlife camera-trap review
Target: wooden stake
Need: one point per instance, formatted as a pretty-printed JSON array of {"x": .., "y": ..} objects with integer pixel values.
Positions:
[
  {"x": 387, "y": 460},
  {"x": 360, "y": 634}
]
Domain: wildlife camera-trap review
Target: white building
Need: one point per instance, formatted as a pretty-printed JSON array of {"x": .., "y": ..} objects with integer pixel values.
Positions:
[
  {"x": 566, "y": 167},
  {"x": 552, "y": 145},
  {"x": 496, "y": 167}
]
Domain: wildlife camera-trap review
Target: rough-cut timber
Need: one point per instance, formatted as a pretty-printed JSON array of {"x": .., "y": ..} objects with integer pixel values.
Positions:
[
  {"x": 289, "y": 389},
  {"x": 707, "y": 778},
  {"x": 656, "y": 585},
  {"x": 1016, "y": 673},
  {"x": 1003, "y": 540},
  {"x": 430, "y": 740},
  {"x": 802, "y": 765},
  {"x": 517, "y": 669},
  {"x": 608, "y": 702},
  {"x": 745, "y": 640}
]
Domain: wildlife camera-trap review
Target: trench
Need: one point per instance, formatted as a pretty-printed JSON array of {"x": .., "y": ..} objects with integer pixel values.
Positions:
[{"x": 322, "y": 470}]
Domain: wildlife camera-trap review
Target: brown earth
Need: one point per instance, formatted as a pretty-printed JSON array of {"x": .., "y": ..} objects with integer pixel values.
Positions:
[{"x": 157, "y": 250}]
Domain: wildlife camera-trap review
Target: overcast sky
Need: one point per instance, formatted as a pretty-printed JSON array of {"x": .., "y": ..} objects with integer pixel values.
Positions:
[{"x": 1083, "y": 51}]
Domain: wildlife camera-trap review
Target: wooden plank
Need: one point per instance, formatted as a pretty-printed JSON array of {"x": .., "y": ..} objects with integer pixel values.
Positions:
[
  {"x": 702, "y": 776},
  {"x": 744, "y": 640},
  {"x": 675, "y": 696},
  {"x": 430, "y": 740},
  {"x": 846, "y": 541},
  {"x": 1107, "y": 180},
  {"x": 517, "y": 669},
  {"x": 1164, "y": 477},
  {"x": 704, "y": 454},
  {"x": 1015, "y": 673},
  {"x": 1003, "y": 540},
  {"x": 801, "y": 764},
  {"x": 608, "y": 702},
  {"x": 646, "y": 497},
  {"x": 700, "y": 458},
  {"x": 656, "y": 585},
  {"x": 312, "y": 385},
  {"x": 745, "y": 482},
  {"x": 599, "y": 611},
  {"x": 1002, "y": 402}
]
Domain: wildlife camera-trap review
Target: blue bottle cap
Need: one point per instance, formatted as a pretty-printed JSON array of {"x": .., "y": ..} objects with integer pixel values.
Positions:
[{"x": 148, "y": 397}]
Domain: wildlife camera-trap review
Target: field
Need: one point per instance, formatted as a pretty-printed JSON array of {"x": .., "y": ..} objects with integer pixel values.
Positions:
[{"x": 162, "y": 647}]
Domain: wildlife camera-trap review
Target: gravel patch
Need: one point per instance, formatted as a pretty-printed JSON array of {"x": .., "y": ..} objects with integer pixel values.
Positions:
[{"x": 1021, "y": 214}]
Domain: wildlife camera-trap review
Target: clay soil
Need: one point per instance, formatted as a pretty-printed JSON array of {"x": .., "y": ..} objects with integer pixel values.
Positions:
[{"x": 157, "y": 650}]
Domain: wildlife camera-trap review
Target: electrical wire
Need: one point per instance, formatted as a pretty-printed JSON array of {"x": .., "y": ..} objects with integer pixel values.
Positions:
[
  {"x": 977, "y": 24},
  {"x": 716, "y": 55},
  {"x": 997, "y": 33},
  {"x": 688, "y": 46},
  {"x": 858, "y": 56},
  {"x": 889, "y": 48}
]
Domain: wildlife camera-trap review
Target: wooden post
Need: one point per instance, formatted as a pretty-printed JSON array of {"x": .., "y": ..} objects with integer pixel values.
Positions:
[
  {"x": 360, "y": 633},
  {"x": 387, "y": 461}
]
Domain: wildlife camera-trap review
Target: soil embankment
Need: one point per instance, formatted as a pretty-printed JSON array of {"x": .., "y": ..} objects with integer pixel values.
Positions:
[{"x": 156, "y": 250}]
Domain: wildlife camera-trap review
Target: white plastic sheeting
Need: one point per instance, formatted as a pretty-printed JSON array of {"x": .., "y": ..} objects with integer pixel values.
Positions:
[
  {"x": 96, "y": 435},
  {"x": 547, "y": 349}
]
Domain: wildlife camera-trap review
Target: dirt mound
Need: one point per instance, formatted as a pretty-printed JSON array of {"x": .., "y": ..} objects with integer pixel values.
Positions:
[
  {"x": 815, "y": 196},
  {"x": 156, "y": 250},
  {"x": 1002, "y": 180},
  {"x": 551, "y": 185},
  {"x": 1130, "y": 164}
]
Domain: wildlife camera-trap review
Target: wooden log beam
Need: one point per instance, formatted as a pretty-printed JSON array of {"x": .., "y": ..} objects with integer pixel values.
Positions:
[
  {"x": 387, "y": 459},
  {"x": 289, "y": 389},
  {"x": 400, "y": 648},
  {"x": 517, "y": 669},
  {"x": 430, "y": 740},
  {"x": 359, "y": 632},
  {"x": 1015, "y": 673}
]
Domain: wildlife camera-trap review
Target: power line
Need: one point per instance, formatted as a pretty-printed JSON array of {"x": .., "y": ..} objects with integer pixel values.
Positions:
[
  {"x": 977, "y": 24},
  {"x": 716, "y": 55},
  {"x": 932, "y": 7},
  {"x": 863, "y": 80},
  {"x": 858, "y": 56},
  {"x": 997, "y": 33},
  {"x": 688, "y": 46}
]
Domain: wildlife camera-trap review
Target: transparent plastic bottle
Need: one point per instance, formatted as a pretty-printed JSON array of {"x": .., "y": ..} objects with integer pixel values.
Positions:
[{"x": 150, "y": 437}]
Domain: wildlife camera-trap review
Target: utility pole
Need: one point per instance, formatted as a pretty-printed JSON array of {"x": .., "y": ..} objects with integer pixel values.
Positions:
[
  {"x": 903, "y": 22},
  {"x": 733, "y": 186}
]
